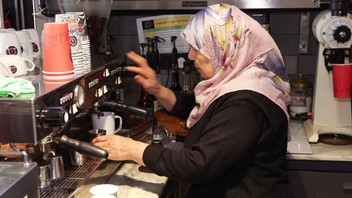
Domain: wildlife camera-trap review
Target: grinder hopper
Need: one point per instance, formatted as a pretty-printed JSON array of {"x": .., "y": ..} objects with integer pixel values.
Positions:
[{"x": 97, "y": 14}]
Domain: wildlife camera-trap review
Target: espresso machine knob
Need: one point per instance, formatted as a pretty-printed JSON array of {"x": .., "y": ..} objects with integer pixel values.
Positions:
[{"x": 53, "y": 116}]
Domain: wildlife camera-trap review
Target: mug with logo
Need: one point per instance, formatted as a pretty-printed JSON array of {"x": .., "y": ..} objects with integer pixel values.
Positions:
[
  {"x": 9, "y": 44},
  {"x": 17, "y": 64},
  {"x": 35, "y": 42},
  {"x": 106, "y": 120},
  {"x": 26, "y": 45},
  {"x": 5, "y": 71}
]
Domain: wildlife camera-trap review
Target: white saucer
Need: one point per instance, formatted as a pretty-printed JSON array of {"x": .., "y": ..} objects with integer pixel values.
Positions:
[{"x": 104, "y": 190}]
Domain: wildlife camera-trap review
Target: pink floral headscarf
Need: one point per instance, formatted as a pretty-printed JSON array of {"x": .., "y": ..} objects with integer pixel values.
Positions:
[{"x": 243, "y": 56}]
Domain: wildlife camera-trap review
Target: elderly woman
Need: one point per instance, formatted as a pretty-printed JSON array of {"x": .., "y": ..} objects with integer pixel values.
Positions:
[{"x": 237, "y": 117}]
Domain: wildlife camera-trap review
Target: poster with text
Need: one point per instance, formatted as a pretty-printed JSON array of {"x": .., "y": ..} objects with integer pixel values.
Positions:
[{"x": 164, "y": 26}]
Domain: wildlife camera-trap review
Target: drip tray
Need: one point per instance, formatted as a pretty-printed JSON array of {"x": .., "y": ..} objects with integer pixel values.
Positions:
[
  {"x": 335, "y": 139},
  {"x": 75, "y": 176}
]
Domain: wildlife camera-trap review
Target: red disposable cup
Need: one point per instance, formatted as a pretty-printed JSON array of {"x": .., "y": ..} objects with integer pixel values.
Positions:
[
  {"x": 342, "y": 80},
  {"x": 56, "y": 49},
  {"x": 50, "y": 85}
]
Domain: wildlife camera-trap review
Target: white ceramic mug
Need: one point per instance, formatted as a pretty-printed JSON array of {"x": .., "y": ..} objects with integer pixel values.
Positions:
[
  {"x": 5, "y": 71},
  {"x": 17, "y": 64},
  {"x": 106, "y": 120},
  {"x": 35, "y": 42},
  {"x": 26, "y": 44},
  {"x": 10, "y": 30},
  {"x": 9, "y": 44}
]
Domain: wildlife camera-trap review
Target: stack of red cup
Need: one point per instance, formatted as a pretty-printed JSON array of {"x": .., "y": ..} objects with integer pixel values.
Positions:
[{"x": 57, "y": 61}]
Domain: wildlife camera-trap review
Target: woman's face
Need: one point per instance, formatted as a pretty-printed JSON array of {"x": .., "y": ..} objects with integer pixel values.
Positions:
[{"x": 202, "y": 63}]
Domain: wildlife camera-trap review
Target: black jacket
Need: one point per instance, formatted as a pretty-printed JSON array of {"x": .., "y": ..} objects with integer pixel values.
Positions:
[{"x": 237, "y": 149}]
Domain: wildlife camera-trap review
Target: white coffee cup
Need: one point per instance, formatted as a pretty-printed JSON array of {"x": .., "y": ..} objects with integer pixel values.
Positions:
[
  {"x": 35, "y": 42},
  {"x": 5, "y": 71},
  {"x": 9, "y": 44},
  {"x": 106, "y": 120},
  {"x": 26, "y": 44},
  {"x": 17, "y": 64}
]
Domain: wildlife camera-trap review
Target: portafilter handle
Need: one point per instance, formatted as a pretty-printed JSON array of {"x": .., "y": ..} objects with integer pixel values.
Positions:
[
  {"x": 81, "y": 147},
  {"x": 126, "y": 108}
]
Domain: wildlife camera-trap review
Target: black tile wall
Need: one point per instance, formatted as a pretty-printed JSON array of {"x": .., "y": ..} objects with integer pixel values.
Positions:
[
  {"x": 285, "y": 23},
  {"x": 284, "y": 28},
  {"x": 287, "y": 43}
]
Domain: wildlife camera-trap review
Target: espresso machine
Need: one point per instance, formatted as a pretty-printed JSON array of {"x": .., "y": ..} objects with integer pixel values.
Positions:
[
  {"x": 54, "y": 125},
  {"x": 331, "y": 116},
  {"x": 55, "y": 122}
]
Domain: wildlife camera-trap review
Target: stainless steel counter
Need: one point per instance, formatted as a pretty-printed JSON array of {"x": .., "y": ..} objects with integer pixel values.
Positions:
[
  {"x": 100, "y": 176},
  {"x": 131, "y": 179}
]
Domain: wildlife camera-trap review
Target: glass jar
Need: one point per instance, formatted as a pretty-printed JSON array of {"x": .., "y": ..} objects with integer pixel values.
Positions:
[{"x": 301, "y": 93}]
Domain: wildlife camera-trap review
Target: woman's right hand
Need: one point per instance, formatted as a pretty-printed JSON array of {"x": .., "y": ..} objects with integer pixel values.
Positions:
[
  {"x": 121, "y": 148},
  {"x": 145, "y": 75}
]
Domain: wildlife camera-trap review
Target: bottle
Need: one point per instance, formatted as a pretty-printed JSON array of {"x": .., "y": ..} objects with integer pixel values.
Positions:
[
  {"x": 146, "y": 101},
  {"x": 175, "y": 82},
  {"x": 155, "y": 54},
  {"x": 187, "y": 78},
  {"x": 143, "y": 45},
  {"x": 120, "y": 94},
  {"x": 157, "y": 39},
  {"x": 301, "y": 93},
  {"x": 149, "y": 56}
]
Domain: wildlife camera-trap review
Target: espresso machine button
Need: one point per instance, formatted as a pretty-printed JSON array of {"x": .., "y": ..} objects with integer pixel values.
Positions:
[{"x": 53, "y": 116}]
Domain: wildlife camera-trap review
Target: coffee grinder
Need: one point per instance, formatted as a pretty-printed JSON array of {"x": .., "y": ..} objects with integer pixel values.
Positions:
[{"x": 331, "y": 116}]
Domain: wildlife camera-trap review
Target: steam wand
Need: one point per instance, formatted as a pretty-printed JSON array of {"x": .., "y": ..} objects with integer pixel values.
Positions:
[{"x": 126, "y": 108}]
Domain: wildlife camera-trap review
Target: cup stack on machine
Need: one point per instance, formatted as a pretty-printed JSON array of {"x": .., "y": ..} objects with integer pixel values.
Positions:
[
  {"x": 79, "y": 40},
  {"x": 57, "y": 62}
]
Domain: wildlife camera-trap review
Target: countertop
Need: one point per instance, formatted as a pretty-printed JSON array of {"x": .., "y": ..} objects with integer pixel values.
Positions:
[
  {"x": 301, "y": 149},
  {"x": 134, "y": 183},
  {"x": 325, "y": 152},
  {"x": 130, "y": 180}
]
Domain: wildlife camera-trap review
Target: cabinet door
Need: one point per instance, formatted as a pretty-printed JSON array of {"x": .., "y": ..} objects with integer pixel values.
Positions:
[
  {"x": 333, "y": 185},
  {"x": 302, "y": 183}
]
